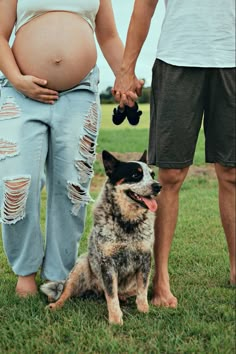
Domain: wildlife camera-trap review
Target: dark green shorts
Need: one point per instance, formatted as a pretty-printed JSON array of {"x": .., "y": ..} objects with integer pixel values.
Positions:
[{"x": 182, "y": 99}]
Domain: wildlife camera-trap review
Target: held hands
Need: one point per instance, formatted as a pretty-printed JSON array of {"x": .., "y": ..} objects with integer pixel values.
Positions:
[
  {"x": 35, "y": 89},
  {"x": 126, "y": 90}
]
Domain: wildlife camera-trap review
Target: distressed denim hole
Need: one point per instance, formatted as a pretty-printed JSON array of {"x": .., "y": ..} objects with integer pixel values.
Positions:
[
  {"x": 78, "y": 196},
  {"x": 85, "y": 171},
  {"x": 9, "y": 109},
  {"x": 15, "y": 196},
  {"x": 7, "y": 149},
  {"x": 88, "y": 148},
  {"x": 90, "y": 124}
]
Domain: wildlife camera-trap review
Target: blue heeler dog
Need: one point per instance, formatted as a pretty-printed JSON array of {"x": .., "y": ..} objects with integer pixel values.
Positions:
[{"x": 118, "y": 261}]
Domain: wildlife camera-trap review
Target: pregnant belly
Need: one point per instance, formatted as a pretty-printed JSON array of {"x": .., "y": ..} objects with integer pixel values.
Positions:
[{"x": 58, "y": 47}]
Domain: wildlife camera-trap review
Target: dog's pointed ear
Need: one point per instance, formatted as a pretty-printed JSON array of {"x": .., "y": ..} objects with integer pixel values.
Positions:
[
  {"x": 109, "y": 162},
  {"x": 144, "y": 157}
]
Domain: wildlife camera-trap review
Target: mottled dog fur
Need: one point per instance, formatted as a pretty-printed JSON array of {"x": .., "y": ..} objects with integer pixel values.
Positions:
[{"x": 118, "y": 261}]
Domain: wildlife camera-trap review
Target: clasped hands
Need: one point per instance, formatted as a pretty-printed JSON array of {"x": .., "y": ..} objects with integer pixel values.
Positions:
[{"x": 126, "y": 96}]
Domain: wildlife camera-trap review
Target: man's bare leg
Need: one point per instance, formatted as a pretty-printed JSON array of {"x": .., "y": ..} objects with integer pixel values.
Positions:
[
  {"x": 166, "y": 219},
  {"x": 227, "y": 194},
  {"x": 26, "y": 285}
]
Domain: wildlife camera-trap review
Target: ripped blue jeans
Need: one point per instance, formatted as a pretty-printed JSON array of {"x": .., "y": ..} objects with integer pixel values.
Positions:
[{"x": 59, "y": 140}]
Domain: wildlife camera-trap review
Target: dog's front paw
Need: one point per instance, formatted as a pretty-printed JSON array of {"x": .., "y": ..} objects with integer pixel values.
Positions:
[
  {"x": 142, "y": 306},
  {"x": 116, "y": 318}
]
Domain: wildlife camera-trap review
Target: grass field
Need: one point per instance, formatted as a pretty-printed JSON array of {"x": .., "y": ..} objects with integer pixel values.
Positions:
[{"x": 204, "y": 321}]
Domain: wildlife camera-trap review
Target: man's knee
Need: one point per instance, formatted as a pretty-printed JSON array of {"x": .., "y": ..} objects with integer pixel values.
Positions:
[
  {"x": 172, "y": 178},
  {"x": 226, "y": 175}
]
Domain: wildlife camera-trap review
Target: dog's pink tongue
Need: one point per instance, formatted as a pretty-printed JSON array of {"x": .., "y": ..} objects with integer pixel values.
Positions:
[{"x": 150, "y": 203}]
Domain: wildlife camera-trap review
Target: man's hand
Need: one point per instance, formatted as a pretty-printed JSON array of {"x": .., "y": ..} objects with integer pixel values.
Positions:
[{"x": 127, "y": 89}]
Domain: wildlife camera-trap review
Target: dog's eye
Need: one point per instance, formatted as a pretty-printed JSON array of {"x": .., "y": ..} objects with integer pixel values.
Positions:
[{"x": 136, "y": 175}]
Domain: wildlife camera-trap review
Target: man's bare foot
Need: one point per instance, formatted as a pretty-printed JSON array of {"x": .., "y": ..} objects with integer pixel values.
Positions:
[
  {"x": 26, "y": 285},
  {"x": 162, "y": 296},
  {"x": 233, "y": 278},
  {"x": 169, "y": 300}
]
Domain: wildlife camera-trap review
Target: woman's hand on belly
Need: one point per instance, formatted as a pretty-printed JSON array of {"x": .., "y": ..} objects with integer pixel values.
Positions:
[{"x": 34, "y": 88}]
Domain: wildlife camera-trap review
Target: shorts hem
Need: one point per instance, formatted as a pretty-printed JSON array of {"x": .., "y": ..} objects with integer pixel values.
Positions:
[
  {"x": 169, "y": 165},
  {"x": 222, "y": 163}
]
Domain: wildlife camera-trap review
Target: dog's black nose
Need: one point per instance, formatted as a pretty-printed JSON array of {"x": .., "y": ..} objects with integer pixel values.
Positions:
[{"x": 156, "y": 187}]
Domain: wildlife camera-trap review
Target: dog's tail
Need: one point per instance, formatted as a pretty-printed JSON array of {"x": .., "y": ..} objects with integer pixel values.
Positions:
[
  {"x": 79, "y": 281},
  {"x": 53, "y": 289}
]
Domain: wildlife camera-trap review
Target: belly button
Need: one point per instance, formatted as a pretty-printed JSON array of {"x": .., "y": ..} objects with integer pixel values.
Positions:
[{"x": 57, "y": 61}]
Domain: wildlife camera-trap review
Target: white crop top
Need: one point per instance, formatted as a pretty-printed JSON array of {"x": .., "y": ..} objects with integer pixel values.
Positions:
[{"x": 29, "y": 9}]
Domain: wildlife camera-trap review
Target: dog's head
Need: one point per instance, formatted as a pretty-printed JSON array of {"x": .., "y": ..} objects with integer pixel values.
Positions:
[{"x": 134, "y": 178}]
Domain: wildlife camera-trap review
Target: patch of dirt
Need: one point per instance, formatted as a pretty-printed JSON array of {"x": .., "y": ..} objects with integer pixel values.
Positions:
[
  {"x": 97, "y": 183},
  {"x": 204, "y": 171},
  {"x": 128, "y": 156},
  {"x": 194, "y": 171}
]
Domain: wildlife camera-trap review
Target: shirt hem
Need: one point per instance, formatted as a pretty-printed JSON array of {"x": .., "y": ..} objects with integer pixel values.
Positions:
[{"x": 180, "y": 62}]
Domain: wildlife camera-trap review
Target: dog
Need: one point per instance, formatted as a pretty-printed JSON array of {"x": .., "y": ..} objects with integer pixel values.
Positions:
[{"x": 118, "y": 261}]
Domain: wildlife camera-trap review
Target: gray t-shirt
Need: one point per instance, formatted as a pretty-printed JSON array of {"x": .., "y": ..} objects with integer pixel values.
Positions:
[{"x": 199, "y": 33}]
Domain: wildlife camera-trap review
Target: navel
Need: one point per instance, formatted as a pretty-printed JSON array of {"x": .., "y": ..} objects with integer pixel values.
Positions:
[{"x": 58, "y": 61}]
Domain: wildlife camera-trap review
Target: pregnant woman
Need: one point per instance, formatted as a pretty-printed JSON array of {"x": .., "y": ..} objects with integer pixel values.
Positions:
[{"x": 49, "y": 121}]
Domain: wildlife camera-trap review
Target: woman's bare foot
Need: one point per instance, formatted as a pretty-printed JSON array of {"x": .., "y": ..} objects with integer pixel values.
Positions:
[{"x": 26, "y": 285}]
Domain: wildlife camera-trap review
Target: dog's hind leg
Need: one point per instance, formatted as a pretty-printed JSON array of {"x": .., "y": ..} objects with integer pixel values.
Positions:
[{"x": 78, "y": 282}]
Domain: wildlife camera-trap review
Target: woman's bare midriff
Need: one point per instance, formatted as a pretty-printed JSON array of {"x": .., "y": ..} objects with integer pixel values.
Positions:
[{"x": 58, "y": 47}]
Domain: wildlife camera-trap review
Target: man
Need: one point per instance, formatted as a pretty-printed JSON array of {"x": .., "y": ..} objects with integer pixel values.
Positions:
[{"x": 193, "y": 76}]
